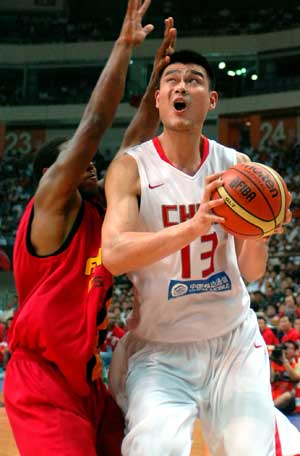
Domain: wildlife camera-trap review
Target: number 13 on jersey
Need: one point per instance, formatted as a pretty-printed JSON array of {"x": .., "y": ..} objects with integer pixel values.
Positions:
[{"x": 175, "y": 214}]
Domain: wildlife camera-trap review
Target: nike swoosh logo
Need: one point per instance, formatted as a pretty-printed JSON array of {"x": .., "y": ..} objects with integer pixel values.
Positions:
[
  {"x": 155, "y": 186},
  {"x": 257, "y": 345}
]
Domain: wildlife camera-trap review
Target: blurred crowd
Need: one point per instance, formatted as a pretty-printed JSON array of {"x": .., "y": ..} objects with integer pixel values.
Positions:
[
  {"x": 6, "y": 316},
  {"x": 275, "y": 298},
  {"x": 16, "y": 187},
  {"x": 73, "y": 91},
  {"x": 191, "y": 20}
]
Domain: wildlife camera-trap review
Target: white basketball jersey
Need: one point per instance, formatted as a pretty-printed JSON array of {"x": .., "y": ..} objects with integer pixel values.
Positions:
[{"x": 196, "y": 293}]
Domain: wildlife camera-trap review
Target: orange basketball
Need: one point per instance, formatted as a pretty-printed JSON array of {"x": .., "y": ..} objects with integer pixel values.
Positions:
[{"x": 256, "y": 198}]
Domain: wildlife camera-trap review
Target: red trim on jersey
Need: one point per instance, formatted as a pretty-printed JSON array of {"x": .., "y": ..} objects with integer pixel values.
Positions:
[
  {"x": 278, "y": 449},
  {"x": 186, "y": 262},
  {"x": 204, "y": 150}
]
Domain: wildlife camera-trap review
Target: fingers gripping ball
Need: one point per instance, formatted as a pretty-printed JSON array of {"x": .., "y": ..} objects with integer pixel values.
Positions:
[{"x": 256, "y": 198}]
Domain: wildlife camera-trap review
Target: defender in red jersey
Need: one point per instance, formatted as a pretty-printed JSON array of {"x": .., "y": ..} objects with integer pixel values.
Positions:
[{"x": 55, "y": 398}]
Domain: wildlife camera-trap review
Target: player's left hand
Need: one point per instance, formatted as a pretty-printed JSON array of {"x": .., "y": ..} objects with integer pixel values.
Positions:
[
  {"x": 133, "y": 33},
  {"x": 287, "y": 219},
  {"x": 167, "y": 47},
  {"x": 288, "y": 216}
]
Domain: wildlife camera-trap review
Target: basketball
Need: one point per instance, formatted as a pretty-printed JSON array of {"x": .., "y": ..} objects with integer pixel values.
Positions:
[{"x": 256, "y": 198}]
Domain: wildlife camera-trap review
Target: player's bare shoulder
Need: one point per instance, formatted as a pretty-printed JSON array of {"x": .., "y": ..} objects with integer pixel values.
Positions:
[
  {"x": 242, "y": 158},
  {"x": 123, "y": 174}
]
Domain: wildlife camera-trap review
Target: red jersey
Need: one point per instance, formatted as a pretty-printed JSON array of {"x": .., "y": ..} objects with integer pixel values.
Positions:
[
  {"x": 63, "y": 298},
  {"x": 269, "y": 337},
  {"x": 5, "y": 264},
  {"x": 291, "y": 335},
  {"x": 112, "y": 338},
  {"x": 284, "y": 382}
]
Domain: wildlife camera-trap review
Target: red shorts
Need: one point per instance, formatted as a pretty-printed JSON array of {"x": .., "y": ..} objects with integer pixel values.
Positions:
[{"x": 48, "y": 418}]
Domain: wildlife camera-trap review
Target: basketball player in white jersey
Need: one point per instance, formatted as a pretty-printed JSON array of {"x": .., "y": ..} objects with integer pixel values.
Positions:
[{"x": 196, "y": 350}]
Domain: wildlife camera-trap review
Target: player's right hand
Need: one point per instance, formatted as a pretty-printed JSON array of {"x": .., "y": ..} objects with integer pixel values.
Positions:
[
  {"x": 204, "y": 216},
  {"x": 133, "y": 33}
]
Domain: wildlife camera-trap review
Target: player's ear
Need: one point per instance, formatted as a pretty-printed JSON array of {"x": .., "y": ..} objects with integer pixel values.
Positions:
[
  {"x": 213, "y": 100},
  {"x": 157, "y": 98}
]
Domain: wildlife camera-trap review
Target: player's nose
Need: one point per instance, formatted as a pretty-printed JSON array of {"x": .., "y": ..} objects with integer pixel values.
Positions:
[
  {"x": 180, "y": 87},
  {"x": 91, "y": 166}
]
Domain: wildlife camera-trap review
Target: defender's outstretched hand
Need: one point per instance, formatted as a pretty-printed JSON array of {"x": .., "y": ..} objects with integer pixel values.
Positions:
[
  {"x": 133, "y": 32},
  {"x": 145, "y": 123},
  {"x": 166, "y": 48}
]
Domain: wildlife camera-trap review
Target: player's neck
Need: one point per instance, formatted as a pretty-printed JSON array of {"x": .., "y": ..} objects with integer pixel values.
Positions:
[{"x": 182, "y": 149}]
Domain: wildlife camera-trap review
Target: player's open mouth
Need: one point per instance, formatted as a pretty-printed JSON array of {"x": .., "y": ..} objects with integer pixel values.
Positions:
[{"x": 179, "y": 106}]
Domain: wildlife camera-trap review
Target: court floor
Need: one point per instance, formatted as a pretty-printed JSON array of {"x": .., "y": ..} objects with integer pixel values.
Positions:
[{"x": 8, "y": 447}]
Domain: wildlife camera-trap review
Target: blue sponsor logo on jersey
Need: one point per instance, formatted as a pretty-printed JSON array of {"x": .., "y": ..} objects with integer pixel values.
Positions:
[{"x": 216, "y": 283}]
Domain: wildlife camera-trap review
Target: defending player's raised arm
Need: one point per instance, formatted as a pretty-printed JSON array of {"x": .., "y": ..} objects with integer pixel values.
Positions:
[
  {"x": 145, "y": 123},
  {"x": 125, "y": 246},
  {"x": 63, "y": 177}
]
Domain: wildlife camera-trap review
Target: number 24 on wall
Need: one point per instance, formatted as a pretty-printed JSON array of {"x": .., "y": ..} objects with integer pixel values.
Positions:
[{"x": 272, "y": 132}]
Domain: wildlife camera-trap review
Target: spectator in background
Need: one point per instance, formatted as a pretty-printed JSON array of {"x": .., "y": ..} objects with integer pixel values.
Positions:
[
  {"x": 271, "y": 295},
  {"x": 297, "y": 327},
  {"x": 298, "y": 304},
  {"x": 258, "y": 302},
  {"x": 114, "y": 334},
  {"x": 267, "y": 333},
  {"x": 2, "y": 331},
  {"x": 5, "y": 352},
  {"x": 288, "y": 332},
  {"x": 288, "y": 291},
  {"x": 281, "y": 309},
  {"x": 10, "y": 309},
  {"x": 285, "y": 374},
  {"x": 290, "y": 305},
  {"x": 3, "y": 342},
  {"x": 5, "y": 264},
  {"x": 271, "y": 312},
  {"x": 117, "y": 312}
]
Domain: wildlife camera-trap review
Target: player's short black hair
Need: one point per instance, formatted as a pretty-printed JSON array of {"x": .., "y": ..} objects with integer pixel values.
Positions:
[
  {"x": 46, "y": 156},
  {"x": 188, "y": 56}
]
